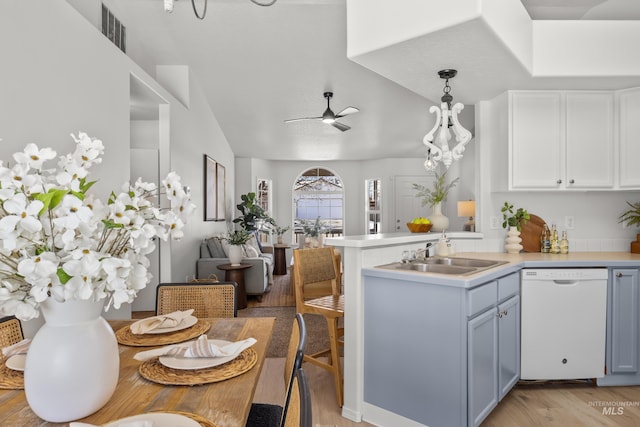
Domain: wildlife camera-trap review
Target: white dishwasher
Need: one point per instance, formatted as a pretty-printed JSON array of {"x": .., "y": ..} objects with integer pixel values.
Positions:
[{"x": 563, "y": 323}]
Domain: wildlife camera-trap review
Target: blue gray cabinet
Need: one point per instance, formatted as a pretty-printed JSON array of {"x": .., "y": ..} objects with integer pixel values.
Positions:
[
  {"x": 623, "y": 326},
  {"x": 494, "y": 348},
  {"x": 440, "y": 355}
]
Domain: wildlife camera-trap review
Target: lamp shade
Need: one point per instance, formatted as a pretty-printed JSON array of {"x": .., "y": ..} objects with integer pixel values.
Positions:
[{"x": 467, "y": 208}]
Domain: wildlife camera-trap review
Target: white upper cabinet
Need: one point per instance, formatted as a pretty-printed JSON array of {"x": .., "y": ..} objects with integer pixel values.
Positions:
[
  {"x": 561, "y": 140},
  {"x": 629, "y": 112},
  {"x": 589, "y": 139}
]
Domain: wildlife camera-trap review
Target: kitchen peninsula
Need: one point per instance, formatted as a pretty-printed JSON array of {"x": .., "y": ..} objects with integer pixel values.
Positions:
[{"x": 362, "y": 253}]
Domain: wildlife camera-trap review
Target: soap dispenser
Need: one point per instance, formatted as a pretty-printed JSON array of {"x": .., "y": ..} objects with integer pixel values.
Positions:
[{"x": 442, "y": 248}]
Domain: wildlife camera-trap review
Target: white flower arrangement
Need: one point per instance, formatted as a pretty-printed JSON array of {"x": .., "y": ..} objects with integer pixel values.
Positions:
[{"x": 59, "y": 241}]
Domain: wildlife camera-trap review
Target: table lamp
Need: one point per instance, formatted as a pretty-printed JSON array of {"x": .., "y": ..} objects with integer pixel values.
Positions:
[{"x": 468, "y": 208}]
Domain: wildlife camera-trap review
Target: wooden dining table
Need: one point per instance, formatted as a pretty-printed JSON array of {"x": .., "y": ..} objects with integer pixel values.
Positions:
[{"x": 224, "y": 403}]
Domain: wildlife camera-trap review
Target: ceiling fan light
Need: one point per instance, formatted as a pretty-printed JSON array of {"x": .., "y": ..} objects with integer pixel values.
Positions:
[
  {"x": 168, "y": 5},
  {"x": 328, "y": 117}
]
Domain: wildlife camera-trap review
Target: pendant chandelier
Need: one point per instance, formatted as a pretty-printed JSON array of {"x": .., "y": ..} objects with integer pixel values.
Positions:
[
  {"x": 168, "y": 6},
  {"x": 437, "y": 140}
]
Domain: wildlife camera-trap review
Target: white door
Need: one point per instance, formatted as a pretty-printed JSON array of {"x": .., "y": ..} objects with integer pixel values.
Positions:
[
  {"x": 407, "y": 205},
  {"x": 145, "y": 164}
]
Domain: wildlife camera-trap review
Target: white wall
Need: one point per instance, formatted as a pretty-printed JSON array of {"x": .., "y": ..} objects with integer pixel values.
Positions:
[{"x": 61, "y": 75}]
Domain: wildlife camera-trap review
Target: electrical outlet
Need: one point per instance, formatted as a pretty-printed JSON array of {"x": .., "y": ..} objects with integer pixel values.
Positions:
[
  {"x": 568, "y": 223},
  {"x": 495, "y": 222}
]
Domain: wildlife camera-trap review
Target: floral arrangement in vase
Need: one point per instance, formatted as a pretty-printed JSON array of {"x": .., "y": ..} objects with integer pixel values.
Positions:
[
  {"x": 57, "y": 240},
  {"x": 279, "y": 232}
]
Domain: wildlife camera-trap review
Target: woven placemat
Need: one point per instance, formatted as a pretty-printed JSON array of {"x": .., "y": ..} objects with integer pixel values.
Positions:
[
  {"x": 126, "y": 337},
  {"x": 10, "y": 379},
  {"x": 155, "y": 371},
  {"x": 198, "y": 418}
]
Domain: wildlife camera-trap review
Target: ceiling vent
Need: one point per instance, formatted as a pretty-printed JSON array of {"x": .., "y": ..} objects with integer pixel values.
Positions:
[{"x": 113, "y": 29}]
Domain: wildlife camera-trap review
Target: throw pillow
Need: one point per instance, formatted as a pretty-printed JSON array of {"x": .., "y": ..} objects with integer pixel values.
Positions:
[
  {"x": 250, "y": 252},
  {"x": 215, "y": 248},
  {"x": 253, "y": 242}
]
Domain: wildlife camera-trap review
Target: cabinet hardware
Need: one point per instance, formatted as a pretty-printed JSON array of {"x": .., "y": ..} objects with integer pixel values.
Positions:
[
  {"x": 572, "y": 181},
  {"x": 618, "y": 274},
  {"x": 559, "y": 181}
]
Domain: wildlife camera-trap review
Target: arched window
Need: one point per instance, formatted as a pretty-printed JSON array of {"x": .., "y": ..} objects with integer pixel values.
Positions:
[{"x": 318, "y": 193}]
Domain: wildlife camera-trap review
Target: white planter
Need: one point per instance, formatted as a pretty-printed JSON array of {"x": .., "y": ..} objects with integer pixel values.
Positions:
[
  {"x": 512, "y": 242},
  {"x": 73, "y": 362},
  {"x": 235, "y": 254},
  {"x": 439, "y": 221}
]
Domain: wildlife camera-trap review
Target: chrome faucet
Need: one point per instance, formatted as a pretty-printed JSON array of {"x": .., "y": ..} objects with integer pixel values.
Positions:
[{"x": 424, "y": 253}]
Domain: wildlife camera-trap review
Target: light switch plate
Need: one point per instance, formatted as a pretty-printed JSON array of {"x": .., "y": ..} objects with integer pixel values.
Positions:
[
  {"x": 495, "y": 222},
  {"x": 569, "y": 223}
]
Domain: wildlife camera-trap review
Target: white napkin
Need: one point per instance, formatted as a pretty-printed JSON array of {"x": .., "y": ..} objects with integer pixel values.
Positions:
[
  {"x": 139, "y": 423},
  {"x": 20, "y": 347},
  {"x": 198, "y": 348},
  {"x": 163, "y": 321}
]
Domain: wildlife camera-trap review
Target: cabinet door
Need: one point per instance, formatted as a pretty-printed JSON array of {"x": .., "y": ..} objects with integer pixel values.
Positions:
[
  {"x": 508, "y": 344},
  {"x": 482, "y": 365},
  {"x": 624, "y": 321},
  {"x": 629, "y": 111},
  {"x": 536, "y": 140},
  {"x": 589, "y": 140}
]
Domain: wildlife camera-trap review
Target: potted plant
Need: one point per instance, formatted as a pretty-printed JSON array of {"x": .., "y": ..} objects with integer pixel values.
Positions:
[
  {"x": 632, "y": 217},
  {"x": 253, "y": 217},
  {"x": 313, "y": 230},
  {"x": 434, "y": 198},
  {"x": 514, "y": 219},
  {"x": 511, "y": 218},
  {"x": 279, "y": 232},
  {"x": 236, "y": 239}
]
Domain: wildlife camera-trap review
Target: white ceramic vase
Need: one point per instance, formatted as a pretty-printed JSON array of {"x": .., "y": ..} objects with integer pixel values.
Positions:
[
  {"x": 235, "y": 254},
  {"x": 512, "y": 242},
  {"x": 73, "y": 362},
  {"x": 439, "y": 221}
]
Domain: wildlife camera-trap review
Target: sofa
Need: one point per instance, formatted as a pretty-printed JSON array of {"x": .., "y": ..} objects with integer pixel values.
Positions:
[{"x": 213, "y": 252}]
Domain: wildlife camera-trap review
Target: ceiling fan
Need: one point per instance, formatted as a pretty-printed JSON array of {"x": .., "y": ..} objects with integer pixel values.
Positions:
[{"x": 329, "y": 117}]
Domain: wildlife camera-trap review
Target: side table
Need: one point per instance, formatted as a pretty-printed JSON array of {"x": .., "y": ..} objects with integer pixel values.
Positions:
[
  {"x": 235, "y": 273},
  {"x": 280, "y": 259}
]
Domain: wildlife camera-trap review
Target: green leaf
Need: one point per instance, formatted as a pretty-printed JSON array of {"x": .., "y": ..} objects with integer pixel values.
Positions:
[
  {"x": 108, "y": 224},
  {"x": 63, "y": 276}
]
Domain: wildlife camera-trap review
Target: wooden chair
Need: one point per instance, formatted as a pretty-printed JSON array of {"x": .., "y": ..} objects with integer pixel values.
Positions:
[
  {"x": 269, "y": 415},
  {"x": 314, "y": 268},
  {"x": 10, "y": 331},
  {"x": 217, "y": 299}
]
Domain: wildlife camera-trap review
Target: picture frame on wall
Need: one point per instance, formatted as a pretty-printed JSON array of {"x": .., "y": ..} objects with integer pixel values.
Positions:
[
  {"x": 210, "y": 189},
  {"x": 221, "y": 184}
]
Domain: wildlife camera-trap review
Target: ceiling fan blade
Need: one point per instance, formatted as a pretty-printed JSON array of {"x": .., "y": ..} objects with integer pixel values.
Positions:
[
  {"x": 340, "y": 126},
  {"x": 303, "y": 118},
  {"x": 347, "y": 111}
]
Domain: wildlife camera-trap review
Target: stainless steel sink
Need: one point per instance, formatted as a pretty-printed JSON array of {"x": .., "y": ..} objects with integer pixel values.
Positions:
[
  {"x": 463, "y": 262},
  {"x": 436, "y": 268},
  {"x": 446, "y": 265}
]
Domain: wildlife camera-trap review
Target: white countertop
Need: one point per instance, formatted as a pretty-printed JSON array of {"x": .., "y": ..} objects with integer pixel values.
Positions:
[{"x": 514, "y": 262}]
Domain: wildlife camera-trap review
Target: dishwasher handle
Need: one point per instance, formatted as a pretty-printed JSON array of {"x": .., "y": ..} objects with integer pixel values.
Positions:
[{"x": 565, "y": 282}]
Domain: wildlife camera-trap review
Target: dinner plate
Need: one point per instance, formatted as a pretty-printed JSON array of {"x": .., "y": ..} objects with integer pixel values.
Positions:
[
  {"x": 159, "y": 419},
  {"x": 186, "y": 323},
  {"x": 16, "y": 362},
  {"x": 189, "y": 363}
]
